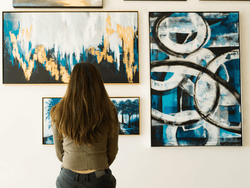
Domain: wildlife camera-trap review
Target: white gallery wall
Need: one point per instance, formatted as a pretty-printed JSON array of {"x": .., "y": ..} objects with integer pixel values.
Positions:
[{"x": 26, "y": 163}]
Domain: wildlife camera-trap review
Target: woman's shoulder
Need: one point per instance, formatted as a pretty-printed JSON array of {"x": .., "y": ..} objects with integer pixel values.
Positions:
[{"x": 53, "y": 128}]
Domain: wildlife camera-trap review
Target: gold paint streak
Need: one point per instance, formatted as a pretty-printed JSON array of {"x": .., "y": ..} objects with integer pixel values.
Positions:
[
  {"x": 99, "y": 55},
  {"x": 135, "y": 68},
  {"x": 126, "y": 34},
  {"x": 53, "y": 68},
  {"x": 92, "y": 50},
  {"x": 15, "y": 52},
  {"x": 104, "y": 54},
  {"x": 50, "y": 64},
  {"x": 65, "y": 75},
  {"x": 109, "y": 29},
  {"x": 28, "y": 33},
  {"x": 40, "y": 56},
  {"x": 110, "y": 58}
]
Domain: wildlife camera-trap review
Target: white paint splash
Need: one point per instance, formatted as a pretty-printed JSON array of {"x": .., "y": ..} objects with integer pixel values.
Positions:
[{"x": 68, "y": 33}]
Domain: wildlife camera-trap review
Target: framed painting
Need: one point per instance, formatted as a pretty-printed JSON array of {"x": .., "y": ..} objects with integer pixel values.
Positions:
[
  {"x": 127, "y": 109},
  {"x": 154, "y": 0},
  {"x": 47, "y": 104},
  {"x": 195, "y": 79},
  {"x": 224, "y": 0},
  {"x": 128, "y": 114},
  {"x": 57, "y": 3},
  {"x": 43, "y": 47}
]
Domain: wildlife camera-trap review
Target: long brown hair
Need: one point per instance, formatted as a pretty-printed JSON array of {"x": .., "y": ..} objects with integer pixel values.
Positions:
[{"x": 86, "y": 111}]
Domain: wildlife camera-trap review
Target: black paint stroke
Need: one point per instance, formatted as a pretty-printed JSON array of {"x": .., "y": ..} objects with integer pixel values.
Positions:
[
  {"x": 158, "y": 21},
  {"x": 216, "y": 78}
]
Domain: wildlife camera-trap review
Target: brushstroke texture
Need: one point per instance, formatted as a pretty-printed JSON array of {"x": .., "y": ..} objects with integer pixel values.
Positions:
[
  {"x": 59, "y": 3},
  {"x": 57, "y": 41},
  {"x": 195, "y": 79}
]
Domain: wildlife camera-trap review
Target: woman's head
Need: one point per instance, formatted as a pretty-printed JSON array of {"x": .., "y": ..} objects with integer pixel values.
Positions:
[
  {"x": 86, "y": 82},
  {"x": 85, "y": 106}
]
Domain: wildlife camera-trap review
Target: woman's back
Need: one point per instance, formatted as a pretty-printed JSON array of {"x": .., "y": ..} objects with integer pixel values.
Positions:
[
  {"x": 98, "y": 155},
  {"x": 85, "y": 129}
]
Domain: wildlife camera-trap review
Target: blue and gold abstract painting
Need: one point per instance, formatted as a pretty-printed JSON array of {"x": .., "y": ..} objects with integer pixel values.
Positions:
[
  {"x": 127, "y": 109},
  {"x": 57, "y": 3},
  {"x": 195, "y": 79},
  {"x": 43, "y": 47}
]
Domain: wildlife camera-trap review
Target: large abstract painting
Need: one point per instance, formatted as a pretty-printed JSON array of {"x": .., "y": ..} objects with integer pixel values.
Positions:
[
  {"x": 128, "y": 116},
  {"x": 195, "y": 79},
  {"x": 43, "y": 47},
  {"x": 57, "y": 3}
]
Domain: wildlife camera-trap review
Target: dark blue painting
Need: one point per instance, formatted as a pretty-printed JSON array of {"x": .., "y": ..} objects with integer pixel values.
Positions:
[
  {"x": 48, "y": 103},
  {"x": 43, "y": 47},
  {"x": 128, "y": 116},
  {"x": 195, "y": 79}
]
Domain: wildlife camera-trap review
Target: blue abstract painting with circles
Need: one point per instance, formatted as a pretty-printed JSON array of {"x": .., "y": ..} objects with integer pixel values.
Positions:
[{"x": 195, "y": 79}]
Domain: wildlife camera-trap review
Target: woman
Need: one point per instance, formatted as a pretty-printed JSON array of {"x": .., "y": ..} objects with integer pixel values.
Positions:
[{"x": 85, "y": 131}]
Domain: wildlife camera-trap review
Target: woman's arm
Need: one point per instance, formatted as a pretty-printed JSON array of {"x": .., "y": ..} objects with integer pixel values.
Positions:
[
  {"x": 112, "y": 142},
  {"x": 57, "y": 143},
  {"x": 112, "y": 148}
]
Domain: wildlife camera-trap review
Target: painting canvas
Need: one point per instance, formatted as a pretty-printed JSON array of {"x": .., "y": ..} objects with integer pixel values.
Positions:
[
  {"x": 128, "y": 116},
  {"x": 154, "y": 0},
  {"x": 224, "y": 0},
  {"x": 48, "y": 103},
  {"x": 43, "y": 47},
  {"x": 195, "y": 79},
  {"x": 57, "y": 3}
]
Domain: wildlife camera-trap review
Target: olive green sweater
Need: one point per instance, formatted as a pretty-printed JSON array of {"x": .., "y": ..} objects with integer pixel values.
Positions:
[{"x": 98, "y": 156}]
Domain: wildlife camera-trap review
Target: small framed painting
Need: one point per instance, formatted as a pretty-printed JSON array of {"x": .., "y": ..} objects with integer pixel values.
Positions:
[
  {"x": 128, "y": 114},
  {"x": 43, "y": 47},
  {"x": 154, "y": 0},
  {"x": 47, "y": 104},
  {"x": 195, "y": 79},
  {"x": 57, "y": 3},
  {"x": 127, "y": 109},
  {"x": 224, "y": 0}
]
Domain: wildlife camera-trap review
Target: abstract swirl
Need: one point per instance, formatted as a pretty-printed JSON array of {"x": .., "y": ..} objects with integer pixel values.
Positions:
[{"x": 195, "y": 79}]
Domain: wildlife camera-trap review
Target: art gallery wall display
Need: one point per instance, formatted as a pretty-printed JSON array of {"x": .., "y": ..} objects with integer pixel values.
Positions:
[
  {"x": 57, "y": 3},
  {"x": 127, "y": 109},
  {"x": 43, "y": 47},
  {"x": 195, "y": 79}
]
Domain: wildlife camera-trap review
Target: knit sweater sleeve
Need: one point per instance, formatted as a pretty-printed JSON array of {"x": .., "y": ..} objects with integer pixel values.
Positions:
[
  {"x": 112, "y": 148},
  {"x": 112, "y": 142},
  {"x": 57, "y": 143}
]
